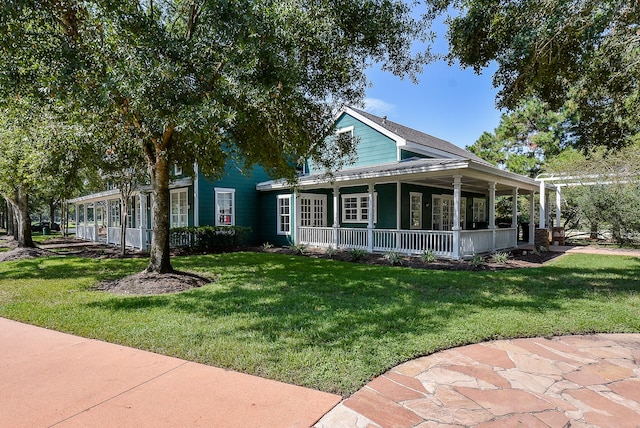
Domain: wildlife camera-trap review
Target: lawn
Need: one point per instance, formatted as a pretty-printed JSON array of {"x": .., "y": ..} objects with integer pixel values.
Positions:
[{"x": 322, "y": 323}]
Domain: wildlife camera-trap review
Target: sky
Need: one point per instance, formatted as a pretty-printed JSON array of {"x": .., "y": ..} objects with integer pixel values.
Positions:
[{"x": 449, "y": 103}]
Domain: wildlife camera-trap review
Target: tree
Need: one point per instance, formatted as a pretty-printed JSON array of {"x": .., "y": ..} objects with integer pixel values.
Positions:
[
  {"x": 525, "y": 138},
  {"x": 258, "y": 81},
  {"x": 21, "y": 159},
  {"x": 121, "y": 164},
  {"x": 604, "y": 189},
  {"x": 255, "y": 80},
  {"x": 586, "y": 52}
]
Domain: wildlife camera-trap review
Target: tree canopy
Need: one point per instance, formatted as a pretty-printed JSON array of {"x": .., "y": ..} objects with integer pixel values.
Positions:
[
  {"x": 525, "y": 138},
  {"x": 206, "y": 81},
  {"x": 586, "y": 51}
]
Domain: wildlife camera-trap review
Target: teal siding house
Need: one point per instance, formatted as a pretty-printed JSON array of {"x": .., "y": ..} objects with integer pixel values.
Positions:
[{"x": 407, "y": 192}]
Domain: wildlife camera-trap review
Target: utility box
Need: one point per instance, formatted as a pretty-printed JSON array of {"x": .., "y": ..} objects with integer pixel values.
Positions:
[{"x": 557, "y": 235}]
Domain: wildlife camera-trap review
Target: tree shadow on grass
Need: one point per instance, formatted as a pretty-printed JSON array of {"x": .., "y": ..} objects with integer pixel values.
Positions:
[{"x": 326, "y": 303}]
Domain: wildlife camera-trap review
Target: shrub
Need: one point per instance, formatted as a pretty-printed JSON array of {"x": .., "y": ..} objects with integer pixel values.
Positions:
[
  {"x": 477, "y": 260},
  {"x": 331, "y": 251},
  {"x": 267, "y": 245},
  {"x": 393, "y": 258},
  {"x": 428, "y": 256},
  {"x": 208, "y": 238},
  {"x": 500, "y": 257},
  {"x": 298, "y": 248},
  {"x": 357, "y": 254}
]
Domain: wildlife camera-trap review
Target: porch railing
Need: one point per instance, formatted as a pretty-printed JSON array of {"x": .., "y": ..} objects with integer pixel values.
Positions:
[{"x": 410, "y": 241}]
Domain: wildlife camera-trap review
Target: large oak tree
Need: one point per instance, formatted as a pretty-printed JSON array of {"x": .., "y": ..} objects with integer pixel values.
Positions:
[{"x": 210, "y": 80}]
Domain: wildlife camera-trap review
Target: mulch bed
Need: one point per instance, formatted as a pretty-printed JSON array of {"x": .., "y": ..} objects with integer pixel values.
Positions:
[
  {"x": 518, "y": 259},
  {"x": 146, "y": 283}
]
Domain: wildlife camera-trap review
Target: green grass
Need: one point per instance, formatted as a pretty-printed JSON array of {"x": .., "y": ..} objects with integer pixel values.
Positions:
[{"x": 321, "y": 323}]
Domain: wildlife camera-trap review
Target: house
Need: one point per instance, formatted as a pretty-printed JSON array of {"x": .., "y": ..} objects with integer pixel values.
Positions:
[{"x": 407, "y": 192}]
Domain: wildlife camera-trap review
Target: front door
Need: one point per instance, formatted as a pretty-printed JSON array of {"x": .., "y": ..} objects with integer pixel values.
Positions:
[
  {"x": 313, "y": 210},
  {"x": 443, "y": 212}
]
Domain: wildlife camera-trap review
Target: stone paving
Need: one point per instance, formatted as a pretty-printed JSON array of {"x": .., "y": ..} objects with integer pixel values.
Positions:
[{"x": 571, "y": 381}]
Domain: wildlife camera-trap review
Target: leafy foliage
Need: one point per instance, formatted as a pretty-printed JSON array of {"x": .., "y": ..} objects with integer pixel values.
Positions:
[
  {"x": 610, "y": 195},
  {"x": 258, "y": 81},
  {"x": 209, "y": 238},
  {"x": 525, "y": 138},
  {"x": 585, "y": 52}
]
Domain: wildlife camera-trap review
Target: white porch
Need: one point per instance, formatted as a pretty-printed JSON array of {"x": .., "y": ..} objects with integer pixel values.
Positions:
[
  {"x": 98, "y": 219},
  {"x": 426, "y": 205},
  {"x": 411, "y": 242}
]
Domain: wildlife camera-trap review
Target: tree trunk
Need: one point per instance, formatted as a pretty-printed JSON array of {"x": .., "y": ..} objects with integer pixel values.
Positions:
[
  {"x": 52, "y": 213},
  {"x": 22, "y": 229},
  {"x": 124, "y": 209},
  {"x": 160, "y": 261}
]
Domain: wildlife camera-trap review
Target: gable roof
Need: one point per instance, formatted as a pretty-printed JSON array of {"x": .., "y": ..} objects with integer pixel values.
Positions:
[{"x": 406, "y": 136}]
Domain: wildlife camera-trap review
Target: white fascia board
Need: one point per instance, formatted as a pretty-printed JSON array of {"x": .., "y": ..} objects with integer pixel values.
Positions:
[
  {"x": 438, "y": 154},
  {"x": 384, "y": 131},
  {"x": 522, "y": 181},
  {"x": 115, "y": 193},
  {"x": 361, "y": 176},
  {"x": 107, "y": 194}
]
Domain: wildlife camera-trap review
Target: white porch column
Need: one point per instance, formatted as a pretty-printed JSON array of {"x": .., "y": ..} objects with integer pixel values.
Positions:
[
  {"x": 558, "y": 206},
  {"x": 370, "y": 223},
  {"x": 143, "y": 221},
  {"x": 96, "y": 236},
  {"x": 398, "y": 212},
  {"x": 85, "y": 222},
  {"x": 336, "y": 215},
  {"x": 78, "y": 235},
  {"x": 514, "y": 208},
  {"x": 196, "y": 195},
  {"x": 532, "y": 223},
  {"x": 492, "y": 214},
  {"x": 294, "y": 215},
  {"x": 543, "y": 208},
  {"x": 457, "y": 193},
  {"x": 108, "y": 203}
]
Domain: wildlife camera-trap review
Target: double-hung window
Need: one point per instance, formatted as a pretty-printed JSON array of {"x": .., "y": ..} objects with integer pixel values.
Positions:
[
  {"x": 114, "y": 213},
  {"x": 225, "y": 206},
  {"x": 133, "y": 212},
  {"x": 179, "y": 208},
  {"x": 479, "y": 210},
  {"x": 284, "y": 214},
  {"x": 415, "y": 210},
  {"x": 355, "y": 208}
]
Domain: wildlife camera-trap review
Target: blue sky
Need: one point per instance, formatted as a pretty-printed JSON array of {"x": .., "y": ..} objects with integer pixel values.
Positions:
[{"x": 448, "y": 102}]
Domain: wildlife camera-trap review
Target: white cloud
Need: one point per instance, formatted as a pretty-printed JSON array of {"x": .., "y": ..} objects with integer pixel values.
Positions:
[{"x": 378, "y": 107}]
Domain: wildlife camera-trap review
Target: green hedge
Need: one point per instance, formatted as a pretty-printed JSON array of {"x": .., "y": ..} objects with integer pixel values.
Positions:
[{"x": 208, "y": 238}]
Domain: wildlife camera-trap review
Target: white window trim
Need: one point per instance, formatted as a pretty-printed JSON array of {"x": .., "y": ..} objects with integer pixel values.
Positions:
[
  {"x": 312, "y": 197},
  {"x": 346, "y": 129},
  {"x": 278, "y": 215},
  {"x": 177, "y": 170},
  {"x": 359, "y": 207},
  {"x": 218, "y": 190},
  {"x": 173, "y": 192},
  {"x": 411, "y": 195},
  {"x": 463, "y": 210},
  {"x": 482, "y": 217}
]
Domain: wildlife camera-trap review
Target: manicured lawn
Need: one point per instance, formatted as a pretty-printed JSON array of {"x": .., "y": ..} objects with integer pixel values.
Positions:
[{"x": 321, "y": 323}]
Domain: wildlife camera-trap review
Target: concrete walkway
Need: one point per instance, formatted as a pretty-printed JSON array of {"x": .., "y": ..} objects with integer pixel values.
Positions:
[{"x": 50, "y": 379}]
